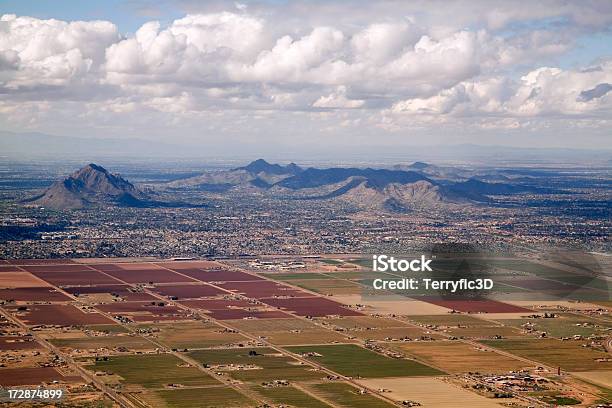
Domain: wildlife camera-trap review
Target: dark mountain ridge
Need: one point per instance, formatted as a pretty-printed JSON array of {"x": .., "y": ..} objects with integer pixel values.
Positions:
[
  {"x": 375, "y": 178},
  {"x": 260, "y": 165}
]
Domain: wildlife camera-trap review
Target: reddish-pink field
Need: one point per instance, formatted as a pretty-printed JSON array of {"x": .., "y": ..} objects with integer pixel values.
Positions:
[
  {"x": 39, "y": 261},
  {"x": 147, "y": 275},
  {"x": 118, "y": 290},
  {"x": 157, "y": 318},
  {"x": 219, "y": 275},
  {"x": 311, "y": 306},
  {"x": 18, "y": 343},
  {"x": 33, "y": 376},
  {"x": 9, "y": 268},
  {"x": 188, "y": 291},
  {"x": 76, "y": 278},
  {"x": 263, "y": 289},
  {"x": 33, "y": 294},
  {"x": 57, "y": 268},
  {"x": 57, "y": 314},
  {"x": 475, "y": 306},
  {"x": 133, "y": 307},
  {"x": 216, "y": 304},
  {"x": 151, "y": 308},
  {"x": 189, "y": 264},
  {"x": 230, "y": 314}
]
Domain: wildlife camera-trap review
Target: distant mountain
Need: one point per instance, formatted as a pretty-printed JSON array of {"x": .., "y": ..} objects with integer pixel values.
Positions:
[
  {"x": 400, "y": 189},
  {"x": 375, "y": 178},
  {"x": 419, "y": 166},
  {"x": 398, "y": 197},
  {"x": 92, "y": 185},
  {"x": 477, "y": 188},
  {"x": 258, "y": 174},
  {"x": 436, "y": 172},
  {"x": 261, "y": 166},
  {"x": 370, "y": 189}
]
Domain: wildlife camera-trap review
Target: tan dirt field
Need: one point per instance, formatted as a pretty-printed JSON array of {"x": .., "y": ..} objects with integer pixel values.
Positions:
[
  {"x": 429, "y": 392},
  {"x": 552, "y": 304},
  {"x": 365, "y": 322},
  {"x": 393, "y": 305},
  {"x": 504, "y": 316},
  {"x": 457, "y": 357},
  {"x": 265, "y": 326},
  {"x": 11, "y": 280},
  {"x": 316, "y": 336},
  {"x": 603, "y": 378}
]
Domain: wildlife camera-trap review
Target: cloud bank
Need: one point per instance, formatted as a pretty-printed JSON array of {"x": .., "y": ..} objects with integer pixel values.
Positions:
[{"x": 394, "y": 70}]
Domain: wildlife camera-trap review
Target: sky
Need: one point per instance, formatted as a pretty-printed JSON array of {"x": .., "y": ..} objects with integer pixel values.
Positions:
[{"x": 296, "y": 74}]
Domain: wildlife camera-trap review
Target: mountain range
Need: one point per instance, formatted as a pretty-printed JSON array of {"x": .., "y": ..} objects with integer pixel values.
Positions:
[
  {"x": 399, "y": 189},
  {"x": 257, "y": 174}
]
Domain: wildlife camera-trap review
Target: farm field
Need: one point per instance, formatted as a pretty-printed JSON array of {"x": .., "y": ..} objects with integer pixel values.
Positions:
[
  {"x": 290, "y": 395},
  {"x": 602, "y": 378},
  {"x": 255, "y": 364},
  {"x": 348, "y": 396},
  {"x": 312, "y": 336},
  {"x": 56, "y": 314},
  {"x": 329, "y": 286},
  {"x": 264, "y": 326},
  {"x": 569, "y": 355},
  {"x": 34, "y": 376},
  {"x": 150, "y": 371},
  {"x": 191, "y": 335},
  {"x": 352, "y": 360},
  {"x": 210, "y": 397},
  {"x": 168, "y": 333},
  {"x": 484, "y": 332},
  {"x": 475, "y": 306},
  {"x": 450, "y": 320},
  {"x": 364, "y": 322},
  {"x": 457, "y": 357},
  {"x": 311, "y": 306},
  {"x": 429, "y": 392},
  {"x": 564, "y": 325},
  {"x": 20, "y": 279},
  {"x": 94, "y": 343},
  {"x": 391, "y": 304},
  {"x": 18, "y": 343}
]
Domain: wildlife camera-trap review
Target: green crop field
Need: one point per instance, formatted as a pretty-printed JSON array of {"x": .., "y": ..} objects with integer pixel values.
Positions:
[
  {"x": 452, "y": 320},
  {"x": 563, "y": 326},
  {"x": 569, "y": 355},
  {"x": 348, "y": 396},
  {"x": 331, "y": 261},
  {"x": 211, "y": 397},
  {"x": 153, "y": 370},
  {"x": 290, "y": 396},
  {"x": 269, "y": 364},
  {"x": 352, "y": 360}
]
